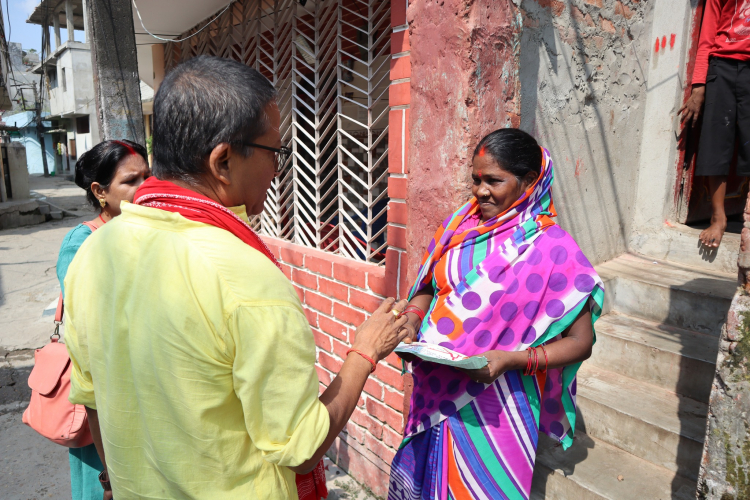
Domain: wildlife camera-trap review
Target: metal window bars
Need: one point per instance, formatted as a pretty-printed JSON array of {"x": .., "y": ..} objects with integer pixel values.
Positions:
[{"x": 330, "y": 62}]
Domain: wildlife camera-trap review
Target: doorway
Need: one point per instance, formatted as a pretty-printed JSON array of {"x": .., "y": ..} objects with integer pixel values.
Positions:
[{"x": 693, "y": 203}]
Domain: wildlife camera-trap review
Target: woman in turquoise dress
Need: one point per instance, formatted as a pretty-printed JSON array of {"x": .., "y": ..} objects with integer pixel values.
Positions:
[{"x": 110, "y": 172}]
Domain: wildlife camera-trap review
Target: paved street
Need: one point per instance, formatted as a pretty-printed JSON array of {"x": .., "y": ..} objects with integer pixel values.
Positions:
[{"x": 32, "y": 467}]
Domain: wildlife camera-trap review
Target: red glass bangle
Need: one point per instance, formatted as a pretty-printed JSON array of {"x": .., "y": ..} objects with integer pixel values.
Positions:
[
  {"x": 527, "y": 370},
  {"x": 546, "y": 360},
  {"x": 415, "y": 310},
  {"x": 368, "y": 358}
]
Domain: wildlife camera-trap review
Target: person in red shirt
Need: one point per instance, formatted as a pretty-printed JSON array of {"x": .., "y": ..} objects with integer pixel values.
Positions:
[{"x": 721, "y": 78}]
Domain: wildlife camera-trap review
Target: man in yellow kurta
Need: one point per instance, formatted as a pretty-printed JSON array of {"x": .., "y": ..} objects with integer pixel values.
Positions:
[{"x": 189, "y": 346}]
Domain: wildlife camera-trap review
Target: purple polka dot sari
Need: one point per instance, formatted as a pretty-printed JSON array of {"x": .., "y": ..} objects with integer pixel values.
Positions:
[{"x": 509, "y": 283}]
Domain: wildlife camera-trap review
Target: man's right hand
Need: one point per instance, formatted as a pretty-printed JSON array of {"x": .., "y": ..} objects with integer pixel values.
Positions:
[
  {"x": 691, "y": 110},
  {"x": 383, "y": 331}
]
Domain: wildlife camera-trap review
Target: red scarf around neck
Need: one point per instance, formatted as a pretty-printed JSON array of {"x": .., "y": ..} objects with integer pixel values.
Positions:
[{"x": 169, "y": 196}]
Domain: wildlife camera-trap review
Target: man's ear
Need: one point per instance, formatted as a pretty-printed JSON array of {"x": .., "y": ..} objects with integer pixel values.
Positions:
[{"x": 218, "y": 163}]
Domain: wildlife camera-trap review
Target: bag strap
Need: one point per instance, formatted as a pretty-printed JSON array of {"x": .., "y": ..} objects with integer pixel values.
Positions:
[
  {"x": 93, "y": 225},
  {"x": 58, "y": 319}
]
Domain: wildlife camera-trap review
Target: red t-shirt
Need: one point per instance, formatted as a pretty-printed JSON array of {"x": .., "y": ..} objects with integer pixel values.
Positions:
[{"x": 725, "y": 33}]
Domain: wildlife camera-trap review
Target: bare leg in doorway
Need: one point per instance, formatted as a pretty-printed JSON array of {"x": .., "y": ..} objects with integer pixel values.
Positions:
[{"x": 711, "y": 237}]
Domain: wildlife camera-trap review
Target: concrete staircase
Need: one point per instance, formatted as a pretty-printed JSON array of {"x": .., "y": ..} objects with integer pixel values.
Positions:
[{"x": 642, "y": 397}]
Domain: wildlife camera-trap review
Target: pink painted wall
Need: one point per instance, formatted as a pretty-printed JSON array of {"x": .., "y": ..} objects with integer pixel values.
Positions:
[{"x": 463, "y": 86}]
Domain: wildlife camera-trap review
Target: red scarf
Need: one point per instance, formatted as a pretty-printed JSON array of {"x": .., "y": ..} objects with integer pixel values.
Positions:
[{"x": 169, "y": 196}]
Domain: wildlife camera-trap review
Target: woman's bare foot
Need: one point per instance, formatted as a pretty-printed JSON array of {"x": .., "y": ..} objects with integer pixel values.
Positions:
[{"x": 711, "y": 236}]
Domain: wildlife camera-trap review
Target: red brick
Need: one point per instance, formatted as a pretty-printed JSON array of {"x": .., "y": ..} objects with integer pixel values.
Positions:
[
  {"x": 322, "y": 340},
  {"x": 360, "y": 467},
  {"x": 403, "y": 282},
  {"x": 376, "y": 282},
  {"x": 400, "y": 68},
  {"x": 391, "y": 437},
  {"x": 408, "y": 389},
  {"x": 399, "y": 94},
  {"x": 406, "y": 140},
  {"x": 287, "y": 270},
  {"x": 359, "y": 417},
  {"x": 292, "y": 256},
  {"x": 394, "y": 399},
  {"x": 332, "y": 289},
  {"x": 356, "y": 432},
  {"x": 374, "y": 389},
  {"x": 364, "y": 300},
  {"x": 397, "y": 187},
  {"x": 329, "y": 362},
  {"x": 392, "y": 359},
  {"x": 390, "y": 376},
  {"x": 395, "y": 139},
  {"x": 400, "y": 42},
  {"x": 396, "y": 237},
  {"x": 319, "y": 265},
  {"x": 397, "y": 212},
  {"x": 319, "y": 302},
  {"x": 380, "y": 449},
  {"x": 347, "y": 314},
  {"x": 324, "y": 377},
  {"x": 273, "y": 247},
  {"x": 305, "y": 279},
  {"x": 321, "y": 388},
  {"x": 352, "y": 273},
  {"x": 607, "y": 25},
  {"x": 384, "y": 414},
  {"x": 391, "y": 272},
  {"x": 340, "y": 349},
  {"x": 595, "y": 3},
  {"x": 398, "y": 12},
  {"x": 312, "y": 317},
  {"x": 300, "y": 292},
  {"x": 333, "y": 328}
]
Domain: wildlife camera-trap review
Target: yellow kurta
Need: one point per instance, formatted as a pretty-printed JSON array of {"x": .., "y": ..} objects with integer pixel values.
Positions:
[{"x": 195, "y": 350}]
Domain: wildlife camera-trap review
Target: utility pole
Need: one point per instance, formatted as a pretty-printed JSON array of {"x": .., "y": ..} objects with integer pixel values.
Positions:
[
  {"x": 39, "y": 129},
  {"x": 117, "y": 88}
]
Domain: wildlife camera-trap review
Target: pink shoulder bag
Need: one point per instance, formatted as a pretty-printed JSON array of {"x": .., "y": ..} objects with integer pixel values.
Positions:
[{"x": 49, "y": 411}]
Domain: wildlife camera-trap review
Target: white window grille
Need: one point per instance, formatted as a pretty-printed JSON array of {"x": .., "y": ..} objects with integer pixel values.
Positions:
[{"x": 330, "y": 61}]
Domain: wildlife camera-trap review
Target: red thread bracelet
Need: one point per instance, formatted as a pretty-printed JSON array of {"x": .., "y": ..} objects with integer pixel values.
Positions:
[
  {"x": 368, "y": 358},
  {"x": 414, "y": 309}
]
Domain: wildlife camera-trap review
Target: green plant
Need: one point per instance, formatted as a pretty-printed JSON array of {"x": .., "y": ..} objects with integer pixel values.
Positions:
[{"x": 149, "y": 144}]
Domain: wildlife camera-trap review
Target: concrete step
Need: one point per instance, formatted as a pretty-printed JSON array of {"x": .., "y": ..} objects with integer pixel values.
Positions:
[
  {"x": 589, "y": 470},
  {"x": 649, "y": 422},
  {"x": 669, "y": 293},
  {"x": 674, "y": 359},
  {"x": 679, "y": 243}
]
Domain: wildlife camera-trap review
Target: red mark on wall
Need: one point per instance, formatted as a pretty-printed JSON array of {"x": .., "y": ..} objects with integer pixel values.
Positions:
[
  {"x": 579, "y": 162},
  {"x": 656, "y": 46},
  {"x": 664, "y": 42},
  {"x": 672, "y": 39}
]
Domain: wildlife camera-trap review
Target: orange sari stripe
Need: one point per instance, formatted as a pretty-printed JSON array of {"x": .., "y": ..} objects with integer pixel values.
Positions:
[{"x": 455, "y": 484}]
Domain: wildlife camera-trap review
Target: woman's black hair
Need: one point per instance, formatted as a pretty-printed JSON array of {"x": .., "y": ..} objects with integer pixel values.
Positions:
[
  {"x": 514, "y": 150},
  {"x": 99, "y": 164}
]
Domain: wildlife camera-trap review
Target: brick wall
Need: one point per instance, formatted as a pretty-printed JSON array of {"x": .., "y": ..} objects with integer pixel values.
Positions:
[{"x": 338, "y": 294}]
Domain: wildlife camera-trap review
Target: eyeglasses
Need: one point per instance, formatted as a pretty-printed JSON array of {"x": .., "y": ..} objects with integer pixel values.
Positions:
[{"x": 282, "y": 154}]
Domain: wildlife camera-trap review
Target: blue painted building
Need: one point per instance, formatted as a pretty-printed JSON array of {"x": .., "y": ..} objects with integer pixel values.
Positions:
[{"x": 28, "y": 136}]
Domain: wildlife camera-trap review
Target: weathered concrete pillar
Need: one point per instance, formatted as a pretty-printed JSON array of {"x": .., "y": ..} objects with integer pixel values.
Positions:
[
  {"x": 725, "y": 468},
  {"x": 85, "y": 22},
  {"x": 56, "y": 26},
  {"x": 464, "y": 84},
  {"x": 115, "y": 67},
  {"x": 69, "y": 21}
]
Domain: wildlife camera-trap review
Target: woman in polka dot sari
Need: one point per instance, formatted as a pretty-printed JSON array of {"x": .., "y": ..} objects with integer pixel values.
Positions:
[{"x": 498, "y": 278}]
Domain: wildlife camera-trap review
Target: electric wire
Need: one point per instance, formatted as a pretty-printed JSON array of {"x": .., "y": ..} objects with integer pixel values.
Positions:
[{"x": 183, "y": 39}]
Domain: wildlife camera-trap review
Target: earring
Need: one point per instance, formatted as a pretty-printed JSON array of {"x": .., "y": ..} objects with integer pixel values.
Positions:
[{"x": 102, "y": 202}]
